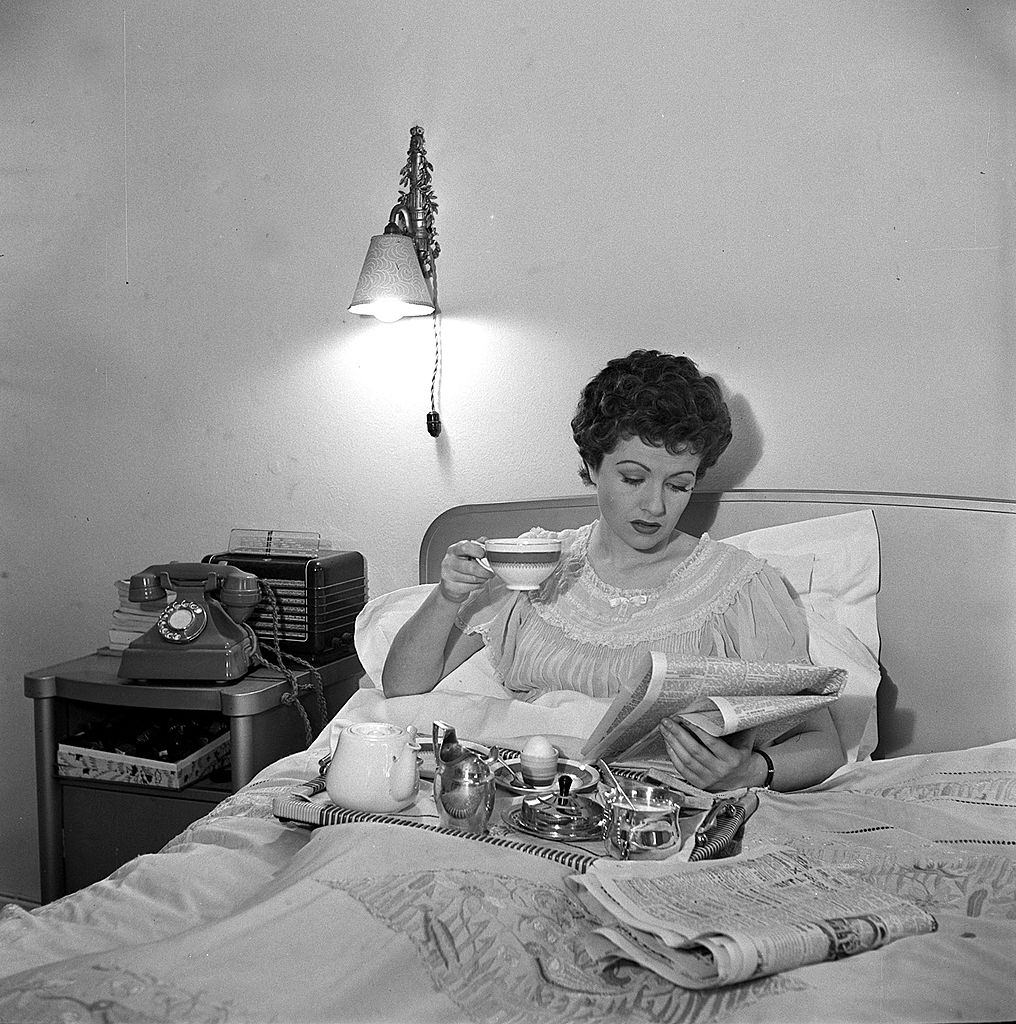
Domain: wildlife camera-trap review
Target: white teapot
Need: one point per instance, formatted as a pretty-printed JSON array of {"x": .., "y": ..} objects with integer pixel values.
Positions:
[{"x": 374, "y": 767}]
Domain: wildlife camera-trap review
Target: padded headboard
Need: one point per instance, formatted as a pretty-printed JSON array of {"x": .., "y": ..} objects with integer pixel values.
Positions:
[{"x": 946, "y": 604}]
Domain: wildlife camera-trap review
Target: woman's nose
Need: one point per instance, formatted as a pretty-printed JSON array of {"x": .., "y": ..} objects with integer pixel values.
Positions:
[{"x": 652, "y": 501}]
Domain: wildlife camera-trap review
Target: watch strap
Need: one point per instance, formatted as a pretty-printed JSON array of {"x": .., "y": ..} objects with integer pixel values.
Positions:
[{"x": 770, "y": 768}]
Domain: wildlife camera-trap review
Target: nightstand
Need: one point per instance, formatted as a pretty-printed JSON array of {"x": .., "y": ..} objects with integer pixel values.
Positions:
[{"x": 88, "y": 828}]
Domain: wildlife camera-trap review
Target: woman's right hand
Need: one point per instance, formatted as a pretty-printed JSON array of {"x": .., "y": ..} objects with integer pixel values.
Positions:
[{"x": 461, "y": 570}]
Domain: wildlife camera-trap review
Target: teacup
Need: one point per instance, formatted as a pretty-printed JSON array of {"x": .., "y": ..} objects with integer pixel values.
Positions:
[
  {"x": 642, "y": 821},
  {"x": 522, "y": 562}
]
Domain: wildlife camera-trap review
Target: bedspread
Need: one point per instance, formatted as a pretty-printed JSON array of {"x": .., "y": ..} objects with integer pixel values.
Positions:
[{"x": 242, "y": 918}]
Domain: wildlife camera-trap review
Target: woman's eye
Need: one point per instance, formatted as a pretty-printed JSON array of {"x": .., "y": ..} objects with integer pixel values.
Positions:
[
  {"x": 682, "y": 488},
  {"x": 632, "y": 481}
]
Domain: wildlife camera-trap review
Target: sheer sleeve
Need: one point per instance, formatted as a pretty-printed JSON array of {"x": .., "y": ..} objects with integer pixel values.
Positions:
[
  {"x": 484, "y": 609},
  {"x": 493, "y": 610},
  {"x": 762, "y": 623}
]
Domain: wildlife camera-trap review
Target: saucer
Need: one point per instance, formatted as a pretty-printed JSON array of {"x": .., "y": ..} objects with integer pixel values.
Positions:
[{"x": 583, "y": 776}]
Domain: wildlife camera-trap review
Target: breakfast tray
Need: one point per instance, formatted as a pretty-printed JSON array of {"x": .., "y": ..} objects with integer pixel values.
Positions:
[{"x": 308, "y": 806}]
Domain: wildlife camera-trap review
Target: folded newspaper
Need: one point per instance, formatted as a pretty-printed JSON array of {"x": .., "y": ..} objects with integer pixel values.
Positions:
[
  {"x": 711, "y": 923},
  {"x": 721, "y": 695}
]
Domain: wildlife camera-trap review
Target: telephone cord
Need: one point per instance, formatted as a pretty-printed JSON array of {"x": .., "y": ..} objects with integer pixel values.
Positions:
[{"x": 291, "y": 698}]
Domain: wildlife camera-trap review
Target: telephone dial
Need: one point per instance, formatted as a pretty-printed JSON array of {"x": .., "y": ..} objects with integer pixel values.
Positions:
[{"x": 202, "y": 633}]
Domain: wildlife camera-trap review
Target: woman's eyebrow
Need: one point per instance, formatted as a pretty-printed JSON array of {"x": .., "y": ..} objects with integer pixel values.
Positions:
[{"x": 632, "y": 462}]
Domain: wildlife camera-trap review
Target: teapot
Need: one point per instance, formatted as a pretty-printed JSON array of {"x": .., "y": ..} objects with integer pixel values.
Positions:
[{"x": 374, "y": 767}]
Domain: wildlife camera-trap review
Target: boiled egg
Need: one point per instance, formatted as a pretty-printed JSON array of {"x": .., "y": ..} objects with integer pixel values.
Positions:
[{"x": 539, "y": 748}]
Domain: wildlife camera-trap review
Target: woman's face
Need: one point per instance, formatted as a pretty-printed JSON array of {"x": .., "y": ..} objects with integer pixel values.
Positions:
[{"x": 642, "y": 491}]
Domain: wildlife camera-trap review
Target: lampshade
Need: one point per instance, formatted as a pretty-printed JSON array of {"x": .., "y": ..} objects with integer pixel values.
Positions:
[{"x": 391, "y": 283}]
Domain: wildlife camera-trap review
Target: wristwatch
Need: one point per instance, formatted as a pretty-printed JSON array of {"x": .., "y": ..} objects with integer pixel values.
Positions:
[{"x": 770, "y": 768}]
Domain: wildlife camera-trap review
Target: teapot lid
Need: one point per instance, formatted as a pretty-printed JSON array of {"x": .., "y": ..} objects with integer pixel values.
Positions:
[{"x": 375, "y": 730}]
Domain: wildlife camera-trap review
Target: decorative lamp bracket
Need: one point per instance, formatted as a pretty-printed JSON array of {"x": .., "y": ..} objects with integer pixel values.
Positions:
[{"x": 413, "y": 214}]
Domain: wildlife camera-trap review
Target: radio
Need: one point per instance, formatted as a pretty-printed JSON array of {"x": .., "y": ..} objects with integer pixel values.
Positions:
[{"x": 317, "y": 599}]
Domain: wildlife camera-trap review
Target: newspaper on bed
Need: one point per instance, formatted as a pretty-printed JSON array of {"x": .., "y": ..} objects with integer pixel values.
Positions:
[
  {"x": 712, "y": 923},
  {"x": 722, "y": 695}
]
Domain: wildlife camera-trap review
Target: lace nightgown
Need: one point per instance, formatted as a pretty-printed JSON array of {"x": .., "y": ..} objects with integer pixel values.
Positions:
[{"x": 578, "y": 633}]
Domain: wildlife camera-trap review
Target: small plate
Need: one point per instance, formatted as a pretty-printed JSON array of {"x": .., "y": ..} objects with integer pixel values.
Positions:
[
  {"x": 426, "y": 755},
  {"x": 583, "y": 776}
]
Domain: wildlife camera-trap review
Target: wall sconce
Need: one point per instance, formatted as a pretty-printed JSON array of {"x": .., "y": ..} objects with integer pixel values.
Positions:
[{"x": 399, "y": 276}]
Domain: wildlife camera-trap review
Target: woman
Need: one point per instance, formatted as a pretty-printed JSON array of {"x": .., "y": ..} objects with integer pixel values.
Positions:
[{"x": 647, "y": 428}]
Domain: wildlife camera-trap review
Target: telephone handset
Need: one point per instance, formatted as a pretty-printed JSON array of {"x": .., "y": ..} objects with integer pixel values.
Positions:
[{"x": 198, "y": 635}]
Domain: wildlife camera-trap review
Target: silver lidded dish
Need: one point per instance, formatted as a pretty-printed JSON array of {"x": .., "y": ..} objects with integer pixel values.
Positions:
[{"x": 558, "y": 816}]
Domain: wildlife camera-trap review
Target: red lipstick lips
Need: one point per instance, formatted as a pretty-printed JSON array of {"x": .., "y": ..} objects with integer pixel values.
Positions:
[{"x": 642, "y": 527}]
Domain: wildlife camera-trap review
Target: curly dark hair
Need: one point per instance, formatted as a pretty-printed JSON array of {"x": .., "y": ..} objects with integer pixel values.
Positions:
[{"x": 662, "y": 399}]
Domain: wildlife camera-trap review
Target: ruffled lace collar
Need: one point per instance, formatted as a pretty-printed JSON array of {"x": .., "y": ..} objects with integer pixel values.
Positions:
[
  {"x": 585, "y": 608},
  {"x": 579, "y": 566}
]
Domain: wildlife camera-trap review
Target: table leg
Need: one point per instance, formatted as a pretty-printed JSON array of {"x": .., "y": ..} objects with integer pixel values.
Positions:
[
  {"x": 49, "y": 800},
  {"x": 241, "y": 746}
]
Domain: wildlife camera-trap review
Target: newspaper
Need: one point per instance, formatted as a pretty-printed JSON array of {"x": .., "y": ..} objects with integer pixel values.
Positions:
[
  {"x": 721, "y": 694},
  {"x": 712, "y": 923}
]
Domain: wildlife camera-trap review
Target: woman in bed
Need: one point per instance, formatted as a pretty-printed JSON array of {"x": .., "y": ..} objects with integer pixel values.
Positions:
[{"x": 647, "y": 427}]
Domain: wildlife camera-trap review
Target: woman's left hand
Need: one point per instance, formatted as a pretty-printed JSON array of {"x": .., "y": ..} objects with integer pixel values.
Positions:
[{"x": 709, "y": 762}]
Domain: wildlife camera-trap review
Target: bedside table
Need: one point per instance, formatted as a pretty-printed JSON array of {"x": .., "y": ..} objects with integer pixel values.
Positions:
[{"x": 88, "y": 828}]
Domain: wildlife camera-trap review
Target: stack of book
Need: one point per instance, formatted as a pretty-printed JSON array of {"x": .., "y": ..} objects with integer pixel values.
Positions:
[{"x": 131, "y": 619}]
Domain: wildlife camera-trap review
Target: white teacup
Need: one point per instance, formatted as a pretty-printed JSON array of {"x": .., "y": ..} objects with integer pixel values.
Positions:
[{"x": 522, "y": 562}]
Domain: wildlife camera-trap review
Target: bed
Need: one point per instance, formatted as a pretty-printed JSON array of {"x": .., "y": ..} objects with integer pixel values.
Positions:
[{"x": 248, "y": 917}]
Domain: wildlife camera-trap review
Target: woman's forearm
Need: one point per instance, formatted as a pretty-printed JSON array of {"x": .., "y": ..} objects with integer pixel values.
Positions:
[
  {"x": 422, "y": 651},
  {"x": 804, "y": 758}
]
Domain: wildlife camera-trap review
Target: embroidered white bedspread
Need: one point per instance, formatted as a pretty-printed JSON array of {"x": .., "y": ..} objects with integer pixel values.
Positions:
[{"x": 244, "y": 919}]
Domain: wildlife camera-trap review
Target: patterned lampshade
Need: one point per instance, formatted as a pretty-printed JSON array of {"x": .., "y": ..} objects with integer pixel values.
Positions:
[{"x": 391, "y": 283}]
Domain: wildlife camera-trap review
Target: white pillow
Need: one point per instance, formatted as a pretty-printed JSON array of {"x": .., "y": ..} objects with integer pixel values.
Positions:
[
  {"x": 844, "y": 572},
  {"x": 832, "y": 565}
]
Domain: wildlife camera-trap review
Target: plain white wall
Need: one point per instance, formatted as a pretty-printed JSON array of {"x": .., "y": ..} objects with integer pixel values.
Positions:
[{"x": 812, "y": 199}]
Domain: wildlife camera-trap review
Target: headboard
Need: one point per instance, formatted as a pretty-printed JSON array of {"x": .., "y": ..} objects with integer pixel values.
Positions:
[{"x": 946, "y": 603}]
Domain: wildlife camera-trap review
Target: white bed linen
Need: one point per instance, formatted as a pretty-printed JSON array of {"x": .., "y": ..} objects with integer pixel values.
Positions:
[
  {"x": 566, "y": 718},
  {"x": 243, "y": 919}
]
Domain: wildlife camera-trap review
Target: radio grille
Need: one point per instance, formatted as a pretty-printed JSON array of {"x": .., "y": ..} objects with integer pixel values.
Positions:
[{"x": 317, "y": 599}]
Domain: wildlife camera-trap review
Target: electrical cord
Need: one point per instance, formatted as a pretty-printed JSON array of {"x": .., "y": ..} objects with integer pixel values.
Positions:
[
  {"x": 434, "y": 417},
  {"x": 297, "y": 688}
]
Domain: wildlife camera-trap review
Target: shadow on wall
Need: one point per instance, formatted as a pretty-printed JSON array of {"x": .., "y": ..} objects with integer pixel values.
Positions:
[
  {"x": 733, "y": 468},
  {"x": 895, "y": 725}
]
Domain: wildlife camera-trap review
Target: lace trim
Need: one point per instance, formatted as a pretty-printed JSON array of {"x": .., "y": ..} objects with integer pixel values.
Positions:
[
  {"x": 634, "y": 607},
  {"x": 634, "y": 595},
  {"x": 571, "y": 643}
]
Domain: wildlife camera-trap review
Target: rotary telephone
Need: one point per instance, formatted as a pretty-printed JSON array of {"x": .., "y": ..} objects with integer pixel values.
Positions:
[{"x": 201, "y": 634}]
